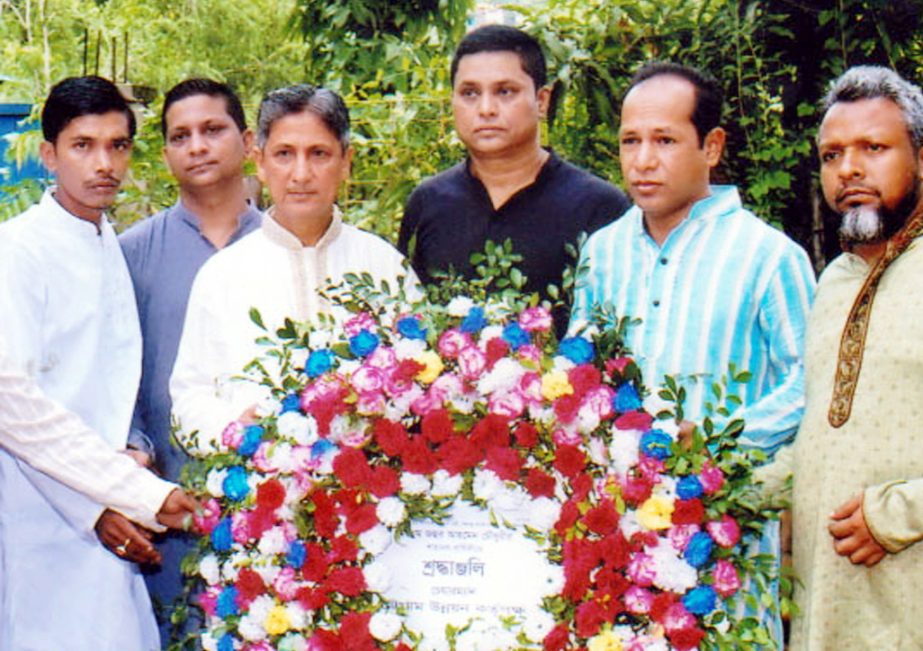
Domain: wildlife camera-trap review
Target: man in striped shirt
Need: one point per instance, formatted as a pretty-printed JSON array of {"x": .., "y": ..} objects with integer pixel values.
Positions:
[{"x": 712, "y": 285}]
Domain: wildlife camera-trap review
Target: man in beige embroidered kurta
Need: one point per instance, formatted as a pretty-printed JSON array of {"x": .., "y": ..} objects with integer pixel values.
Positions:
[
  {"x": 858, "y": 465},
  {"x": 303, "y": 156}
]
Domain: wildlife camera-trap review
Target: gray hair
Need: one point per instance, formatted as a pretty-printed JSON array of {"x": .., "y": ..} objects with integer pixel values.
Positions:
[
  {"x": 870, "y": 82},
  {"x": 324, "y": 103}
]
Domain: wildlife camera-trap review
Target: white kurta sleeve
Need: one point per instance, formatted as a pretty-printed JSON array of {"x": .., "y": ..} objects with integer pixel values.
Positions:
[{"x": 894, "y": 513}]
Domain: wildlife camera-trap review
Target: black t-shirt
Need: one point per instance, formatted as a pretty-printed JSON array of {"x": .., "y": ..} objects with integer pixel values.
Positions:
[{"x": 451, "y": 217}]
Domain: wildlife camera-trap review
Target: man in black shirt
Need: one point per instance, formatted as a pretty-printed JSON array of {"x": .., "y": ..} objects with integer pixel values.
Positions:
[{"x": 509, "y": 187}]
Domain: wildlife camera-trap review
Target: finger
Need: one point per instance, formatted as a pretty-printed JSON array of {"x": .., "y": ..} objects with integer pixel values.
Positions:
[
  {"x": 841, "y": 528},
  {"x": 875, "y": 558},
  {"x": 846, "y": 509},
  {"x": 846, "y": 546}
]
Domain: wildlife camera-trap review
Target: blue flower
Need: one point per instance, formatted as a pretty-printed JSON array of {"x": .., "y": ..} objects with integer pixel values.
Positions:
[
  {"x": 626, "y": 399},
  {"x": 410, "y": 328},
  {"x": 227, "y": 602},
  {"x": 291, "y": 402},
  {"x": 656, "y": 443},
  {"x": 321, "y": 447},
  {"x": 689, "y": 487},
  {"x": 253, "y": 436},
  {"x": 221, "y": 536},
  {"x": 235, "y": 484},
  {"x": 474, "y": 322},
  {"x": 226, "y": 643},
  {"x": 296, "y": 554},
  {"x": 698, "y": 550},
  {"x": 701, "y": 600},
  {"x": 363, "y": 343},
  {"x": 515, "y": 336},
  {"x": 576, "y": 349},
  {"x": 319, "y": 362}
]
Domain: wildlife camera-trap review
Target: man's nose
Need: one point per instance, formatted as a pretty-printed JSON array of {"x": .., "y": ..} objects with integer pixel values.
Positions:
[{"x": 851, "y": 165}]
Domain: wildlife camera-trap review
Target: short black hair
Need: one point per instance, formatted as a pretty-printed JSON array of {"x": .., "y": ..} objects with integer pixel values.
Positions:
[
  {"x": 74, "y": 97},
  {"x": 202, "y": 86},
  {"x": 322, "y": 102},
  {"x": 503, "y": 38},
  {"x": 709, "y": 96}
]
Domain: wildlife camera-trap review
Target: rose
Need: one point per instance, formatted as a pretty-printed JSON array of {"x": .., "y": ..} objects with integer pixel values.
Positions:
[
  {"x": 535, "y": 319},
  {"x": 368, "y": 379},
  {"x": 726, "y": 531},
  {"x": 362, "y": 321},
  {"x": 638, "y": 600},
  {"x": 712, "y": 478},
  {"x": 452, "y": 342},
  {"x": 232, "y": 434},
  {"x": 471, "y": 362},
  {"x": 726, "y": 578},
  {"x": 432, "y": 366}
]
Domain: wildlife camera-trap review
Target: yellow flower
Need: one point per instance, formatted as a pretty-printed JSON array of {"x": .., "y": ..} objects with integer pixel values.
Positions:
[
  {"x": 277, "y": 621},
  {"x": 555, "y": 385},
  {"x": 432, "y": 364},
  {"x": 605, "y": 641},
  {"x": 656, "y": 513}
]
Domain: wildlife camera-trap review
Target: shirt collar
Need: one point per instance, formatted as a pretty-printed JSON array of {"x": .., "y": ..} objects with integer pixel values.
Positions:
[
  {"x": 278, "y": 234},
  {"x": 722, "y": 199},
  {"x": 548, "y": 168},
  {"x": 250, "y": 216},
  {"x": 67, "y": 220}
]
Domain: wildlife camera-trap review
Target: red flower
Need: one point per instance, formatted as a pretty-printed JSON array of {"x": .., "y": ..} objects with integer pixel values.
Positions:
[
  {"x": 566, "y": 408},
  {"x": 351, "y": 466},
  {"x": 348, "y": 581},
  {"x": 354, "y": 631},
  {"x": 639, "y": 420},
  {"x": 616, "y": 550},
  {"x": 505, "y": 462},
  {"x": 590, "y": 617},
  {"x": 406, "y": 370},
  {"x": 569, "y": 460},
  {"x": 361, "y": 519},
  {"x": 459, "y": 454},
  {"x": 270, "y": 495},
  {"x": 325, "y": 517},
  {"x": 493, "y": 431},
  {"x": 402, "y": 647},
  {"x": 437, "y": 425},
  {"x": 686, "y": 638},
  {"x": 636, "y": 490},
  {"x": 580, "y": 486},
  {"x": 315, "y": 564},
  {"x": 391, "y": 437},
  {"x": 249, "y": 587},
  {"x": 583, "y": 378},
  {"x": 602, "y": 519},
  {"x": 557, "y": 639},
  {"x": 497, "y": 348},
  {"x": 312, "y": 598},
  {"x": 688, "y": 511},
  {"x": 568, "y": 518},
  {"x": 418, "y": 458},
  {"x": 323, "y": 640},
  {"x": 343, "y": 549},
  {"x": 660, "y": 605},
  {"x": 260, "y": 521},
  {"x": 526, "y": 435},
  {"x": 384, "y": 482},
  {"x": 539, "y": 483}
]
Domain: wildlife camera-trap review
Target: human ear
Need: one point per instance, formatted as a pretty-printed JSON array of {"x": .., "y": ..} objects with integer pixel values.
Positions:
[{"x": 714, "y": 146}]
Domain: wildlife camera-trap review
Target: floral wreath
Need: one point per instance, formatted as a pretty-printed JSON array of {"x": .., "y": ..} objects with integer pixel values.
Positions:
[{"x": 398, "y": 414}]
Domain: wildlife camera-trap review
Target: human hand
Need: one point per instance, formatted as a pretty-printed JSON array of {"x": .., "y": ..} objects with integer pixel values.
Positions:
[
  {"x": 124, "y": 539},
  {"x": 248, "y": 417},
  {"x": 684, "y": 435},
  {"x": 143, "y": 459},
  {"x": 852, "y": 537},
  {"x": 177, "y": 510}
]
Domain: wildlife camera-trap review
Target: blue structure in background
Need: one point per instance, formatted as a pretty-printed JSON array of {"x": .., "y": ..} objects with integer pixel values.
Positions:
[{"x": 10, "y": 117}]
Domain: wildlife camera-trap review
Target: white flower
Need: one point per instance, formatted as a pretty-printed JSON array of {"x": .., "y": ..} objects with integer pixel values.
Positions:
[
  {"x": 553, "y": 580},
  {"x": 673, "y": 573},
  {"x": 294, "y": 425},
  {"x": 267, "y": 407},
  {"x": 666, "y": 488},
  {"x": 281, "y": 456},
  {"x": 459, "y": 306},
  {"x": 377, "y": 576},
  {"x": 629, "y": 524},
  {"x": 273, "y": 542},
  {"x": 267, "y": 572},
  {"x": 261, "y": 607},
  {"x": 623, "y": 450},
  {"x": 488, "y": 333},
  {"x": 409, "y": 348},
  {"x": 340, "y": 427},
  {"x": 561, "y": 363},
  {"x": 510, "y": 505},
  {"x": 414, "y": 484},
  {"x": 376, "y": 540},
  {"x": 251, "y": 628},
  {"x": 319, "y": 338},
  {"x": 293, "y": 642},
  {"x": 538, "y": 625},
  {"x": 385, "y": 626},
  {"x": 210, "y": 570},
  {"x": 542, "y": 513},
  {"x": 297, "y": 616},
  {"x": 504, "y": 376},
  {"x": 446, "y": 485},
  {"x": 486, "y": 484},
  {"x": 209, "y": 643},
  {"x": 391, "y": 511},
  {"x": 215, "y": 480}
]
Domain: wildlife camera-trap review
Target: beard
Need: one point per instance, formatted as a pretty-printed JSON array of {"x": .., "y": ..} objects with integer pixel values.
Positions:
[{"x": 873, "y": 224}]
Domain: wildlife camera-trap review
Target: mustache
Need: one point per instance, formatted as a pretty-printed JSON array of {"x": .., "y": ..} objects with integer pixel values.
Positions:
[{"x": 853, "y": 187}]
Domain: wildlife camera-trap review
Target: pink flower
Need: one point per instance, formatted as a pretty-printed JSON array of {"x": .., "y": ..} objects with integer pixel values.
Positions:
[
  {"x": 678, "y": 618},
  {"x": 530, "y": 387},
  {"x": 371, "y": 403},
  {"x": 509, "y": 405},
  {"x": 426, "y": 402},
  {"x": 367, "y": 379},
  {"x": 446, "y": 386},
  {"x": 210, "y": 517},
  {"x": 452, "y": 342},
  {"x": 711, "y": 478},
  {"x": 535, "y": 318},
  {"x": 681, "y": 533},
  {"x": 641, "y": 569},
  {"x": 383, "y": 358},
  {"x": 471, "y": 362},
  {"x": 618, "y": 364},
  {"x": 726, "y": 579},
  {"x": 286, "y": 585},
  {"x": 638, "y": 600},
  {"x": 567, "y": 437},
  {"x": 208, "y": 600},
  {"x": 599, "y": 401},
  {"x": 259, "y": 646},
  {"x": 651, "y": 468},
  {"x": 240, "y": 527},
  {"x": 358, "y": 323},
  {"x": 232, "y": 435},
  {"x": 725, "y": 531},
  {"x": 261, "y": 462},
  {"x": 530, "y": 353}
]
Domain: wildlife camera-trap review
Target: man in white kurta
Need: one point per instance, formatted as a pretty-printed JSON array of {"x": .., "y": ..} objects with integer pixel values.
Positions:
[{"x": 70, "y": 321}]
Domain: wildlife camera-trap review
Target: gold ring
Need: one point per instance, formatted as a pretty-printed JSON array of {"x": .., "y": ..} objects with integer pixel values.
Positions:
[{"x": 121, "y": 549}]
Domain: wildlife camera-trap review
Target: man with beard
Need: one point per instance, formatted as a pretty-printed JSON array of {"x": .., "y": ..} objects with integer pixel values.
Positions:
[{"x": 858, "y": 482}]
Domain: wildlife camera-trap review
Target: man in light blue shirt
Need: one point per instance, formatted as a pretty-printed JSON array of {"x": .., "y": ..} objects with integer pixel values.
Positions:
[
  {"x": 206, "y": 144},
  {"x": 711, "y": 283}
]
